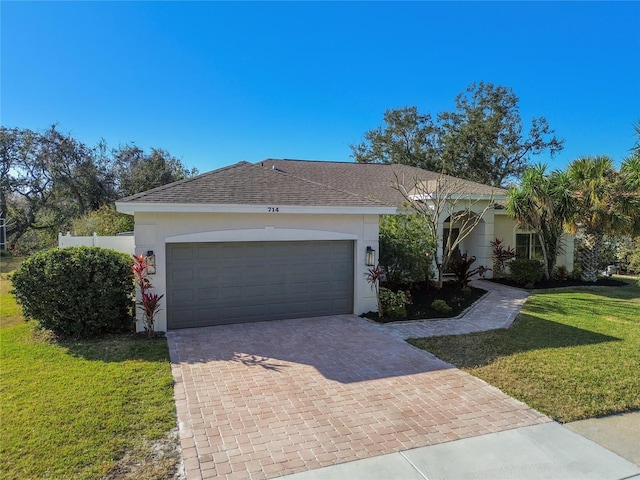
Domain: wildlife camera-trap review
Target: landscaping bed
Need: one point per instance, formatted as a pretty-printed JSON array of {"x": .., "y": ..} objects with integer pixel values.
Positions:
[
  {"x": 569, "y": 282},
  {"x": 422, "y": 297}
]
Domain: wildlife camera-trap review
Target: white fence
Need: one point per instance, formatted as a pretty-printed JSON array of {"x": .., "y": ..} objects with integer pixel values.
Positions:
[{"x": 121, "y": 243}]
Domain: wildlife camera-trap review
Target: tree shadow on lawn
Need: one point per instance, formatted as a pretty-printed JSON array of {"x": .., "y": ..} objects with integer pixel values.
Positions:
[
  {"x": 528, "y": 333},
  {"x": 119, "y": 348}
]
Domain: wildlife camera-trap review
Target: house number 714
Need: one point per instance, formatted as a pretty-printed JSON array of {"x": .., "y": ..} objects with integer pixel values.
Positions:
[{"x": 273, "y": 209}]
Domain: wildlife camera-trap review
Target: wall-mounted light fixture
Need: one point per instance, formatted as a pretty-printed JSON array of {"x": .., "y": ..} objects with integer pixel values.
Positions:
[
  {"x": 151, "y": 262},
  {"x": 370, "y": 257}
]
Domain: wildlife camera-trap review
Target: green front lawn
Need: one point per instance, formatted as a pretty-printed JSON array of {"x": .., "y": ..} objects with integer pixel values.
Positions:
[
  {"x": 82, "y": 409},
  {"x": 571, "y": 353}
]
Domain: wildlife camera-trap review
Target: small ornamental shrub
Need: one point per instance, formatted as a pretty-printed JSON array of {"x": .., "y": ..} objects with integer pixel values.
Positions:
[
  {"x": 76, "y": 291},
  {"x": 560, "y": 273},
  {"x": 441, "y": 306},
  {"x": 460, "y": 266},
  {"x": 149, "y": 302},
  {"x": 526, "y": 272},
  {"x": 394, "y": 303},
  {"x": 373, "y": 276},
  {"x": 501, "y": 257}
]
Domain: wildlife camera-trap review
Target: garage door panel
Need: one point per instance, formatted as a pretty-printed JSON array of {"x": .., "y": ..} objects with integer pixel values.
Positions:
[
  {"x": 182, "y": 296},
  {"x": 201, "y": 316},
  {"x": 231, "y": 294},
  {"x": 181, "y": 275},
  {"x": 206, "y": 251},
  {"x": 207, "y": 274},
  {"x": 248, "y": 312},
  {"x": 182, "y": 252},
  {"x": 207, "y": 293},
  {"x": 255, "y": 281}
]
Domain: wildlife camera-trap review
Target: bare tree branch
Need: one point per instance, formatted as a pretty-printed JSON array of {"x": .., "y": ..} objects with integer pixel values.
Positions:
[{"x": 446, "y": 200}]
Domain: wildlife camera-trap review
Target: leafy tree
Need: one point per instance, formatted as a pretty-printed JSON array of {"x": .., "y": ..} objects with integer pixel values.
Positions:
[
  {"x": 407, "y": 137},
  {"x": 138, "y": 171},
  {"x": 27, "y": 187},
  {"x": 49, "y": 179},
  {"x": 543, "y": 203},
  {"x": 606, "y": 203},
  {"x": 83, "y": 179},
  {"x": 407, "y": 247},
  {"x": 103, "y": 221},
  {"x": 482, "y": 139}
]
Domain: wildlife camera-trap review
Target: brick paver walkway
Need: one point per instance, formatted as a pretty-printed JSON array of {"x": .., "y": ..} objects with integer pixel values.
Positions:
[
  {"x": 268, "y": 399},
  {"x": 497, "y": 309}
]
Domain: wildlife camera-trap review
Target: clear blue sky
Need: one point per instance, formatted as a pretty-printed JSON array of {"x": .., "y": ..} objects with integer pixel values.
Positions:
[{"x": 216, "y": 83}]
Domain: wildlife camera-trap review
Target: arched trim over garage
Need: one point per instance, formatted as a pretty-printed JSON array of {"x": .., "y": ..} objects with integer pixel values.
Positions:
[{"x": 267, "y": 234}]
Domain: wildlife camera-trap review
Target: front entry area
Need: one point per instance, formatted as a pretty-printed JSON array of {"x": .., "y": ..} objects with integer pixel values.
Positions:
[{"x": 237, "y": 282}]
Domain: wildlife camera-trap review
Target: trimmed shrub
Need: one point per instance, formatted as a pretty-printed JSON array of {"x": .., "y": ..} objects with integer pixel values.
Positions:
[
  {"x": 76, "y": 291},
  {"x": 394, "y": 303},
  {"x": 441, "y": 306},
  {"x": 526, "y": 272}
]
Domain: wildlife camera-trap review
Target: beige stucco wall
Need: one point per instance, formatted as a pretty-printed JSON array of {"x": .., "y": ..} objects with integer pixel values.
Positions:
[
  {"x": 506, "y": 228},
  {"x": 477, "y": 242},
  {"x": 154, "y": 230}
]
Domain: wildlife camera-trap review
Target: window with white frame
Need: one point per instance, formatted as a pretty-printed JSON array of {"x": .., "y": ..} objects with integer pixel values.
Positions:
[{"x": 528, "y": 246}]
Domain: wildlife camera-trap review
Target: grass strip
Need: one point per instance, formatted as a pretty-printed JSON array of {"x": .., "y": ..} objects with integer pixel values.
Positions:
[{"x": 76, "y": 409}]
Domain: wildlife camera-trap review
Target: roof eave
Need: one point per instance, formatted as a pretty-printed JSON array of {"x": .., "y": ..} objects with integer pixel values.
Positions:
[
  {"x": 131, "y": 207},
  {"x": 461, "y": 196}
]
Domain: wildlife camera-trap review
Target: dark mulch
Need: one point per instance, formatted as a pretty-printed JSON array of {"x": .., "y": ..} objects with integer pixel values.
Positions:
[
  {"x": 602, "y": 282},
  {"x": 422, "y": 295}
]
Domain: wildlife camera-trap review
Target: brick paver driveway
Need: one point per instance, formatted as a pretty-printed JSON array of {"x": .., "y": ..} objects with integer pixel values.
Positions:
[{"x": 268, "y": 399}]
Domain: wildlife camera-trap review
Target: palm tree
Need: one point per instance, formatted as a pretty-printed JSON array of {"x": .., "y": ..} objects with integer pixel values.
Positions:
[
  {"x": 543, "y": 203},
  {"x": 606, "y": 203}
]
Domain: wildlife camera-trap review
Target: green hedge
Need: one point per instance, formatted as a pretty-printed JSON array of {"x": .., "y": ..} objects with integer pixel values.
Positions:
[
  {"x": 526, "y": 272},
  {"x": 77, "y": 291}
]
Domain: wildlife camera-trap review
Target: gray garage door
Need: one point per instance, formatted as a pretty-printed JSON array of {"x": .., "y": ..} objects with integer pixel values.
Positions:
[{"x": 221, "y": 283}]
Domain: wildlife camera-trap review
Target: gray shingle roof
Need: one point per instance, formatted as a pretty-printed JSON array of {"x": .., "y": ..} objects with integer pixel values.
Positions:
[
  {"x": 251, "y": 184},
  {"x": 373, "y": 180},
  {"x": 301, "y": 183}
]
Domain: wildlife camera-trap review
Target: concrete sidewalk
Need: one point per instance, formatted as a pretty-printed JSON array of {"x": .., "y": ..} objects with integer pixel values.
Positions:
[
  {"x": 547, "y": 451},
  {"x": 618, "y": 433}
]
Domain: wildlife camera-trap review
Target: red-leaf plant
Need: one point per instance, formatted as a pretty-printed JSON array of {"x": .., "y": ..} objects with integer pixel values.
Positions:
[
  {"x": 373, "y": 276},
  {"x": 149, "y": 302},
  {"x": 501, "y": 256}
]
